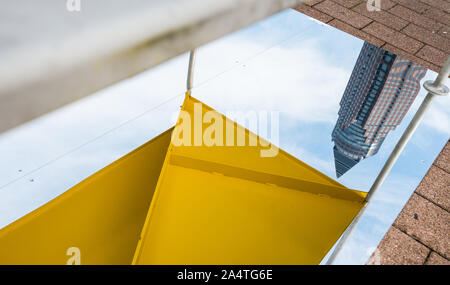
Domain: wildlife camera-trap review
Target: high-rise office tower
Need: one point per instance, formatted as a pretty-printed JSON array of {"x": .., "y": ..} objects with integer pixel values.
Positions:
[{"x": 380, "y": 91}]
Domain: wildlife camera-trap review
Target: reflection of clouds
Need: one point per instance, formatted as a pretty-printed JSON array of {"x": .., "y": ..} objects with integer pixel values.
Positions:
[
  {"x": 291, "y": 80},
  {"x": 438, "y": 116},
  {"x": 303, "y": 78},
  {"x": 23, "y": 196},
  {"x": 312, "y": 159}
]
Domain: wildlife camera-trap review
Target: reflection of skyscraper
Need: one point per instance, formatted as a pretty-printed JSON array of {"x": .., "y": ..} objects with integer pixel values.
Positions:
[{"x": 378, "y": 95}]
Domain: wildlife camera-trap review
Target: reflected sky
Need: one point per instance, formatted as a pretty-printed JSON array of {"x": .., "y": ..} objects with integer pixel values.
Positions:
[{"x": 287, "y": 63}]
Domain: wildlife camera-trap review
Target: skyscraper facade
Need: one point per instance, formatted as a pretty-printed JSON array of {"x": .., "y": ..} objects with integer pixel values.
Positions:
[{"x": 380, "y": 91}]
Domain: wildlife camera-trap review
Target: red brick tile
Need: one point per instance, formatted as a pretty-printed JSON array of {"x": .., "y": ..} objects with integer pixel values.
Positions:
[
  {"x": 440, "y": 4},
  {"x": 436, "y": 259},
  {"x": 397, "y": 248},
  {"x": 438, "y": 15},
  {"x": 443, "y": 159},
  {"x": 314, "y": 13},
  {"x": 343, "y": 14},
  {"x": 411, "y": 57},
  {"x": 312, "y": 2},
  {"x": 382, "y": 17},
  {"x": 355, "y": 32},
  {"x": 415, "y": 5},
  {"x": 432, "y": 39},
  {"x": 432, "y": 55},
  {"x": 385, "y": 4},
  {"x": 435, "y": 187},
  {"x": 347, "y": 3},
  {"x": 414, "y": 17},
  {"x": 427, "y": 223},
  {"x": 393, "y": 37}
]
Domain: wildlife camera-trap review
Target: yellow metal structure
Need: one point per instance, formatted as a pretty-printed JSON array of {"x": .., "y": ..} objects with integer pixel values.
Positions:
[
  {"x": 229, "y": 205},
  {"x": 102, "y": 216},
  {"x": 201, "y": 205}
]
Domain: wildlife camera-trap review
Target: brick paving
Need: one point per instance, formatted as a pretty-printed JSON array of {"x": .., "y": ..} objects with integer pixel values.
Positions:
[
  {"x": 397, "y": 241},
  {"x": 421, "y": 232},
  {"x": 418, "y": 30}
]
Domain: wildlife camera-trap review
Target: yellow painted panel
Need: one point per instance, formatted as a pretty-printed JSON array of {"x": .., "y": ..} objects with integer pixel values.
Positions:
[
  {"x": 206, "y": 218},
  {"x": 228, "y": 205},
  {"x": 246, "y": 157},
  {"x": 102, "y": 216}
]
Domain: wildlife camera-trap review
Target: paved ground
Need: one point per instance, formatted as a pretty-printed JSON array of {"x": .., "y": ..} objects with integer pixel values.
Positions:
[{"x": 415, "y": 29}]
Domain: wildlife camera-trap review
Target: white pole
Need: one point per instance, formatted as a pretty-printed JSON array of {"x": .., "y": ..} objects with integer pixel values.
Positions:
[
  {"x": 190, "y": 77},
  {"x": 434, "y": 88}
]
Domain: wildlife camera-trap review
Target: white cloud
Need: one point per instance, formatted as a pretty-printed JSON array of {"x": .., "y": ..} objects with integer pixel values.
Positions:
[
  {"x": 438, "y": 115},
  {"x": 311, "y": 158},
  {"x": 297, "y": 81}
]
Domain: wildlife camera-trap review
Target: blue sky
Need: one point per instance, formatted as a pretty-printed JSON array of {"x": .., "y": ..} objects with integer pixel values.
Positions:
[{"x": 287, "y": 63}]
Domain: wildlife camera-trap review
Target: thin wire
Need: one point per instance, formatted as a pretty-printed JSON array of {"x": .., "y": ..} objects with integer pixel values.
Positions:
[{"x": 149, "y": 110}]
